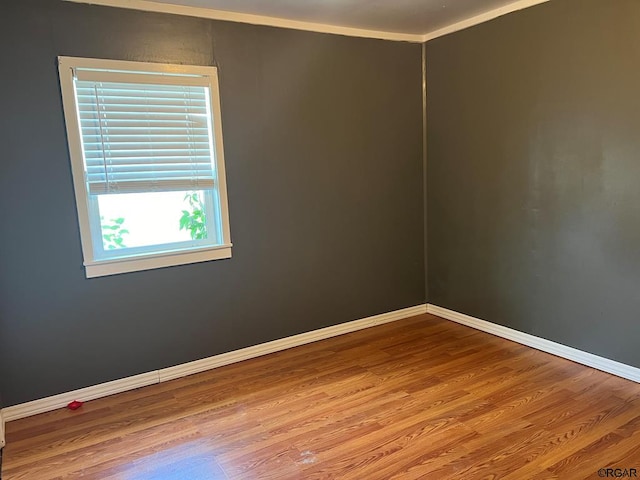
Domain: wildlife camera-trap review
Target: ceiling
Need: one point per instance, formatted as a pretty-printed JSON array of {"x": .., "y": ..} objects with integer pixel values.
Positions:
[{"x": 417, "y": 17}]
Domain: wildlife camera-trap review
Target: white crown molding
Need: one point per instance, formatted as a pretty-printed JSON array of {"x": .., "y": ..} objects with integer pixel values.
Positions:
[
  {"x": 573, "y": 354},
  {"x": 481, "y": 18},
  {"x": 42, "y": 405},
  {"x": 150, "y": 6}
]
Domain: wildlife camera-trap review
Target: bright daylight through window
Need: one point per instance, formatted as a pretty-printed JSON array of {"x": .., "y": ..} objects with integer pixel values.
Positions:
[{"x": 145, "y": 142}]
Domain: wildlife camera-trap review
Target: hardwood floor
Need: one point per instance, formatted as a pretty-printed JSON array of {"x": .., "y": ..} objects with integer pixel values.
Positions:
[{"x": 418, "y": 398}]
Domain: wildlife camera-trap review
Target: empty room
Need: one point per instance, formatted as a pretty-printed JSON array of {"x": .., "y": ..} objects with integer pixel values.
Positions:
[{"x": 319, "y": 239}]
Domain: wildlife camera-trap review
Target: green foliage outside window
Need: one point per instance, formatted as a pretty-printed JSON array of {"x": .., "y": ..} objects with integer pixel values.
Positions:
[
  {"x": 194, "y": 220},
  {"x": 113, "y": 232}
]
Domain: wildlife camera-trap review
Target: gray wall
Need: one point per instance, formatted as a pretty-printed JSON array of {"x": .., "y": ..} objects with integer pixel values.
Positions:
[
  {"x": 534, "y": 173},
  {"x": 323, "y": 154}
]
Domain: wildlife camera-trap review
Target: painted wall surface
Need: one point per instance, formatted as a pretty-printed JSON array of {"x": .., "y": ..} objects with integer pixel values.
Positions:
[
  {"x": 534, "y": 173},
  {"x": 323, "y": 153}
]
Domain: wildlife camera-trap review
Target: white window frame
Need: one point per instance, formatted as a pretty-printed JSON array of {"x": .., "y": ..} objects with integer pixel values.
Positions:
[{"x": 175, "y": 254}]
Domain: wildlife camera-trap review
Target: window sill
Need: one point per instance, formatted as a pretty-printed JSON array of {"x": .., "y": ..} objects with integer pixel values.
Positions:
[{"x": 103, "y": 268}]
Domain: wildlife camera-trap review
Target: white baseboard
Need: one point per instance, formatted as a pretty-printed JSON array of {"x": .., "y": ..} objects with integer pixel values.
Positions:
[
  {"x": 284, "y": 343},
  {"x": 42, "y": 405},
  {"x": 2, "y": 442},
  {"x": 84, "y": 394},
  {"x": 579, "y": 356}
]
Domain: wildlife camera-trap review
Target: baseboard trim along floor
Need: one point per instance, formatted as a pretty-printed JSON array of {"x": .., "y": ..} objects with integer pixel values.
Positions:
[
  {"x": 122, "y": 385},
  {"x": 2, "y": 442},
  {"x": 570, "y": 353},
  {"x": 54, "y": 402}
]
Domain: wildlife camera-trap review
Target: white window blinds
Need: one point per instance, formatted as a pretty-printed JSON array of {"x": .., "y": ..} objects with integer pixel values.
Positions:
[{"x": 142, "y": 137}]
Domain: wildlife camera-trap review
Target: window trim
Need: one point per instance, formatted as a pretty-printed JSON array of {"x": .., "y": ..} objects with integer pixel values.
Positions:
[{"x": 191, "y": 74}]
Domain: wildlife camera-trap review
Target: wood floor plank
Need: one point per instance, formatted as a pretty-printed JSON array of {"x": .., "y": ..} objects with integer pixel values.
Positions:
[{"x": 418, "y": 398}]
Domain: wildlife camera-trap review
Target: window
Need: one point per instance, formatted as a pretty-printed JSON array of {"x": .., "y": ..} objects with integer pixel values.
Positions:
[{"x": 145, "y": 142}]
